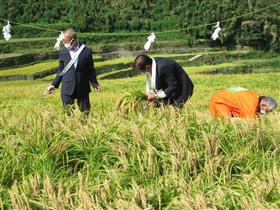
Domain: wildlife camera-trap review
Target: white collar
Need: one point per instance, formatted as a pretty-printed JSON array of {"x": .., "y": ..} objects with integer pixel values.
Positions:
[
  {"x": 160, "y": 94},
  {"x": 76, "y": 49},
  {"x": 152, "y": 86},
  {"x": 154, "y": 72}
]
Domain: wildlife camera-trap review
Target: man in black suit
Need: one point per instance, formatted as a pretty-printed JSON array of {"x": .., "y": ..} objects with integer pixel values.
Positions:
[
  {"x": 169, "y": 82},
  {"x": 77, "y": 78}
]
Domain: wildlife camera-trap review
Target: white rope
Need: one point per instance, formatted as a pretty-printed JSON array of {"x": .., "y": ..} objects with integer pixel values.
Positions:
[{"x": 145, "y": 33}]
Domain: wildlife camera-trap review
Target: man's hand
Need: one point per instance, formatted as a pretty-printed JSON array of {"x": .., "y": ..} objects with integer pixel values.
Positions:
[
  {"x": 50, "y": 90},
  {"x": 152, "y": 96}
]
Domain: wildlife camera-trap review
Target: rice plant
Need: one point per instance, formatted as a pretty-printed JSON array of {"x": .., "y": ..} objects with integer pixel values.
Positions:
[
  {"x": 128, "y": 157},
  {"x": 132, "y": 102}
]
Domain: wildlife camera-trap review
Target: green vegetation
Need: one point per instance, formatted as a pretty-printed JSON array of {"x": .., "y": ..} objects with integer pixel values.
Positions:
[
  {"x": 220, "y": 61},
  {"x": 129, "y": 155},
  {"x": 132, "y": 103},
  {"x": 27, "y": 70},
  {"x": 132, "y": 156},
  {"x": 8, "y": 55},
  {"x": 114, "y": 61},
  {"x": 159, "y": 158},
  {"x": 260, "y": 30},
  {"x": 204, "y": 53}
]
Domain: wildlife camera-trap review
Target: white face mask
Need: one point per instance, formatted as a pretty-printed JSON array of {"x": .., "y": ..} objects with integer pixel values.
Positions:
[
  {"x": 262, "y": 111},
  {"x": 68, "y": 46}
]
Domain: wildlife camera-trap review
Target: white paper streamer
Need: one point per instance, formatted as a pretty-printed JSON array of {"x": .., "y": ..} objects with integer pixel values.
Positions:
[
  {"x": 148, "y": 44},
  {"x": 7, "y": 31},
  {"x": 58, "y": 41},
  {"x": 215, "y": 35}
]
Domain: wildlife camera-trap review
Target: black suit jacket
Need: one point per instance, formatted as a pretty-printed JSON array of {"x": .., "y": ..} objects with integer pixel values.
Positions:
[
  {"x": 76, "y": 79},
  {"x": 173, "y": 81}
]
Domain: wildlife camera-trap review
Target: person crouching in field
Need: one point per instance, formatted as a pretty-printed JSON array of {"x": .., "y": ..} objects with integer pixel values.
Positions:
[
  {"x": 166, "y": 80},
  {"x": 240, "y": 102},
  {"x": 76, "y": 72}
]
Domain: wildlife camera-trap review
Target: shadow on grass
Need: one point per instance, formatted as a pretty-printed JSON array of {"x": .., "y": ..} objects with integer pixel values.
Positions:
[
  {"x": 245, "y": 69},
  {"x": 121, "y": 74}
]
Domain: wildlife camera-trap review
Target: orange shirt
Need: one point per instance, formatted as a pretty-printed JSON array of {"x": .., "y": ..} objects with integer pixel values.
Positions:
[{"x": 237, "y": 103}]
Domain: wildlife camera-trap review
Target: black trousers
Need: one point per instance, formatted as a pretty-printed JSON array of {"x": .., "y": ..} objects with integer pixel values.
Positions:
[{"x": 83, "y": 103}]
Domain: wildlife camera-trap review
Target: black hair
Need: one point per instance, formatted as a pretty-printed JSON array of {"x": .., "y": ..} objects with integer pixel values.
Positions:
[{"x": 141, "y": 61}]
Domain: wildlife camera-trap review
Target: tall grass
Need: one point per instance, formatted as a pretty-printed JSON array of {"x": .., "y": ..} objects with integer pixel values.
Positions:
[
  {"x": 126, "y": 159},
  {"x": 163, "y": 158}
]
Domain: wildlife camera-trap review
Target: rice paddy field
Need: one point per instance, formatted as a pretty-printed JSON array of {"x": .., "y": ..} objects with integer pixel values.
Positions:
[{"x": 126, "y": 157}]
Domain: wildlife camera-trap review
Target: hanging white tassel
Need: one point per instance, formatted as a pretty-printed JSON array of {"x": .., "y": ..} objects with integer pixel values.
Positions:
[
  {"x": 215, "y": 35},
  {"x": 7, "y": 31},
  {"x": 58, "y": 41},
  {"x": 148, "y": 44}
]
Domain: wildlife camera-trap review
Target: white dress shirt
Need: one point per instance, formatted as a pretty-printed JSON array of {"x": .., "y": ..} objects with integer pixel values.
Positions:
[
  {"x": 72, "y": 54},
  {"x": 160, "y": 93}
]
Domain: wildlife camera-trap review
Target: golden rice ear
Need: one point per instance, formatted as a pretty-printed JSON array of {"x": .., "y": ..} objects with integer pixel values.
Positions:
[{"x": 132, "y": 103}]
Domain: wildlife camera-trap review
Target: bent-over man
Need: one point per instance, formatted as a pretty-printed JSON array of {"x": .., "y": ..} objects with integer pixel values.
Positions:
[
  {"x": 166, "y": 80},
  {"x": 240, "y": 102}
]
